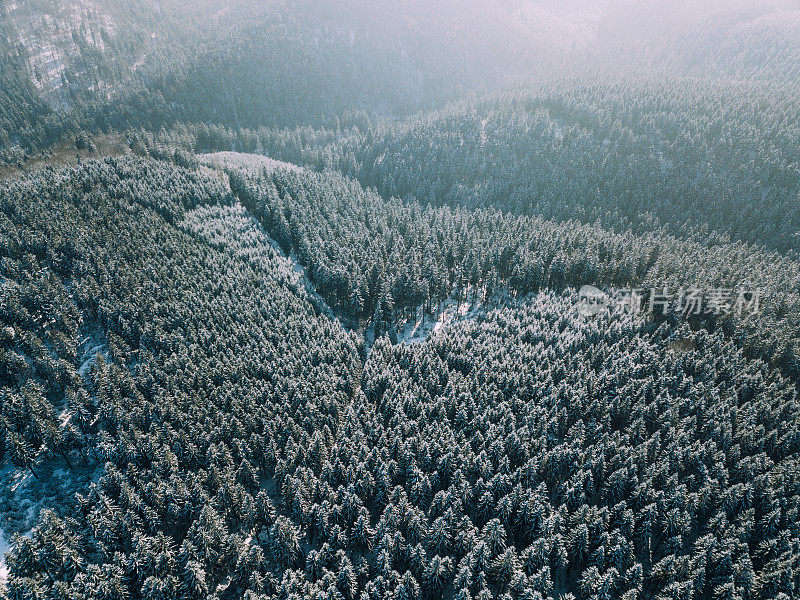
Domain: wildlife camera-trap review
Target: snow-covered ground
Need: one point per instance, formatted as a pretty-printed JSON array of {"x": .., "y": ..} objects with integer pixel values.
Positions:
[
  {"x": 452, "y": 312},
  {"x": 23, "y": 497},
  {"x": 5, "y": 546},
  {"x": 457, "y": 309},
  {"x": 249, "y": 163},
  {"x": 89, "y": 357},
  {"x": 15, "y": 482}
]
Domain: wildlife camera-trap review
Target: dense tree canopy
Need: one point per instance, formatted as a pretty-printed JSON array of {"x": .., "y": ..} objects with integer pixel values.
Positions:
[
  {"x": 250, "y": 448},
  {"x": 305, "y": 299}
]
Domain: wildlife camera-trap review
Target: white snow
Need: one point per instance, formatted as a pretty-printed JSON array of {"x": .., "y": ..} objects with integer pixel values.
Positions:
[
  {"x": 234, "y": 228},
  {"x": 64, "y": 417},
  {"x": 5, "y": 547},
  {"x": 558, "y": 129},
  {"x": 89, "y": 357},
  {"x": 29, "y": 496},
  {"x": 15, "y": 479},
  {"x": 451, "y": 313},
  {"x": 251, "y": 164},
  {"x": 20, "y": 479}
]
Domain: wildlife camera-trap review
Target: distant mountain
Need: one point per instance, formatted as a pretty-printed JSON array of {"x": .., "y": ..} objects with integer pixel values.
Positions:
[{"x": 102, "y": 65}]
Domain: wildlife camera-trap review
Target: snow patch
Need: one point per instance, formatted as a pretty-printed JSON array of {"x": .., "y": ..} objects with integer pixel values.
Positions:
[
  {"x": 251, "y": 164},
  {"x": 23, "y": 497},
  {"x": 14, "y": 480},
  {"x": 64, "y": 417},
  {"x": 20, "y": 480},
  {"x": 5, "y": 548},
  {"x": 89, "y": 357},
  {"x": 451, "y": 312},
  {"x": 558, "y": 129}
]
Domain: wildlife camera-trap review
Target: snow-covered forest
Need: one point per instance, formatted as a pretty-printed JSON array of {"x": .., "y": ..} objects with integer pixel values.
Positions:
[{"x": 292, "y": 300}]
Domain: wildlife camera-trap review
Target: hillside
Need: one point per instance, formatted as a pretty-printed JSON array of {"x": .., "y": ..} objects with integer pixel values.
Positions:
[
  {"x": 104, "y": 66},
  {"x": 243, "y": 444},
  {"x": 419, "y": 300}
]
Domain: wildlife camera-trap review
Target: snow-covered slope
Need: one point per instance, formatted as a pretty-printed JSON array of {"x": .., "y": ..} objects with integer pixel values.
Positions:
[
  {"x": 234, "y": 228},
  {"x": 57, "y": 37},
  {"x": 451, "y": 313},
  {"x": 249, "y": 163}
]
